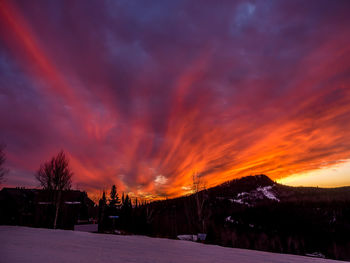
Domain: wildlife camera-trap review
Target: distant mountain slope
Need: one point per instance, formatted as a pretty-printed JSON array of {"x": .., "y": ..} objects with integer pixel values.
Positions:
[{"x": 263, "y": 188}]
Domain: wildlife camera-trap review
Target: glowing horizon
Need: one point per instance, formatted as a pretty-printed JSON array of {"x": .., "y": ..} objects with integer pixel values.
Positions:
[{"x": 143, "y": 96}]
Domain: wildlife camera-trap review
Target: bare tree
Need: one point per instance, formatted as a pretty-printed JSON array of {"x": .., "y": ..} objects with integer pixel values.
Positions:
[
  {"x": 55, "y": 175},
  {"x": 3, "y": 170},
  {"x": 198, "y": 188}
]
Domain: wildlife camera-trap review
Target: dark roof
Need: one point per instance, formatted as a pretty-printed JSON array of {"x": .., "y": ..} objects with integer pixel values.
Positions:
[{"x": 17, "y": 194}]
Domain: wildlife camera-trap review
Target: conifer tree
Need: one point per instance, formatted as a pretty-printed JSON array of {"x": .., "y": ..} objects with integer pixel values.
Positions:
[
  {"x": 114, "y": 201},
  {"x": 101, "y": 212},
  {"x": 104, "y": 199},
  {"x": 127, "y": 202}
]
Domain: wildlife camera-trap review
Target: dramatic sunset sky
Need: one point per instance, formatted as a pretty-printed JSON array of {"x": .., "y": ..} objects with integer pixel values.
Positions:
[{"x": 143, "y": 94}]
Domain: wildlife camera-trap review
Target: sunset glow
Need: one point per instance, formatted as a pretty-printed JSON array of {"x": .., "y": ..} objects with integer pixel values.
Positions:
[{"x": 144, "y": 95}]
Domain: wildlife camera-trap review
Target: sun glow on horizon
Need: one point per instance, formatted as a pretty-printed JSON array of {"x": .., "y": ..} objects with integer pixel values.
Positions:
[{"x": 336, "y": 175}]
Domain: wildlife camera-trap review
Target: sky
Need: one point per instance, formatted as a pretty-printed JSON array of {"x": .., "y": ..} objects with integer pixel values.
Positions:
[{"x": 144, "y": 94}]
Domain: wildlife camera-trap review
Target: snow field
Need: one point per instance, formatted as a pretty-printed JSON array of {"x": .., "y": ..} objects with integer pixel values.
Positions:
[{"x": 23, "y": 244}]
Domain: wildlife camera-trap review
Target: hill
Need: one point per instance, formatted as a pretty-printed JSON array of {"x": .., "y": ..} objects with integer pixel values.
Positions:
[{"x": 254, "y": 212}]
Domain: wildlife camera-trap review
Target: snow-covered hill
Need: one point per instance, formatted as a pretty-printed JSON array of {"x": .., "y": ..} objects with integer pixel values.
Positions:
[{"x": 22, "y": 244}]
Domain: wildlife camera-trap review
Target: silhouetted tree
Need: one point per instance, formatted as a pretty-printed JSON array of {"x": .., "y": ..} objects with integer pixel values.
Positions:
[
  {"x": 104, "y": 199},
  {"x": 55, "y": 176},
  {"x": 101, "y": 212},
  {"x": 198, "y": 188},
  {"x": 114, "y": 201},
  {"x": 3, "y": 170},
  {"x": 127, "y": 202},
  {"x": 56, "y": 173}
]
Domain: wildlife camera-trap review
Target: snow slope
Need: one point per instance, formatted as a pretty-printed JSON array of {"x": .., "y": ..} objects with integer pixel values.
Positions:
[
  {"x": 250, "y": 198},
  {"x": 22, "y": 244}
]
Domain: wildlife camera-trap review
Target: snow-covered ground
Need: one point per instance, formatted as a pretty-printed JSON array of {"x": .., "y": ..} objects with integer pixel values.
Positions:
[
  {"x": 86, "y": 228},
  {"x": 22, "y": 244}
]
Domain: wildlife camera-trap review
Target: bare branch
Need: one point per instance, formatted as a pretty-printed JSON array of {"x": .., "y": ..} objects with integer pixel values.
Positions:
[
  {"x": 3, "y": 170},
  {"x": 56, "y": 173}
]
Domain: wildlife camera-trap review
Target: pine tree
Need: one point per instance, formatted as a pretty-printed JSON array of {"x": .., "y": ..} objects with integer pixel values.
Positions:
[
  {"x": 101, "y": 213},
  {"x": 104, "y": 199},
  {"x": 114, "y": 201},
  {"x": 127, "y": 202},
  {"x": 113, "y": 192}
]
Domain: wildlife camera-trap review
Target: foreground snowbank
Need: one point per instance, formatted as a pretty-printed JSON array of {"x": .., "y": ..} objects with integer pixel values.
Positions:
[{"x": 22, "y": 244}]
